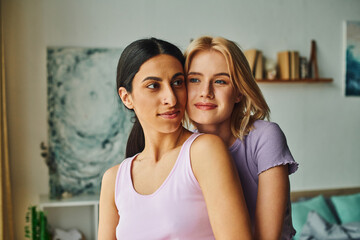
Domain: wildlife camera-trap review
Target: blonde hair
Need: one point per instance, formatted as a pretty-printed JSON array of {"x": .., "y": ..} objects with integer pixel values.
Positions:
[{"x": 252, "y": 105}]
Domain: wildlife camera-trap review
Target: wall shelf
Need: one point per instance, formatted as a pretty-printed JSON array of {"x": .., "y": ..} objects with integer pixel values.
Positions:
[
  {"x": 305, "y": 80},
  {"x": 76, "y": 205}
]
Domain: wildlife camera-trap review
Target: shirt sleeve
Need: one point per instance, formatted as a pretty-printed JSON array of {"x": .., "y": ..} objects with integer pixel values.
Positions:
[{"x": 271, "y": 149}]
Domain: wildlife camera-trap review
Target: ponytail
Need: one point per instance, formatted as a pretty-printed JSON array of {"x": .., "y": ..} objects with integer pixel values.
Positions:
[{"x": 136, "y": 140}]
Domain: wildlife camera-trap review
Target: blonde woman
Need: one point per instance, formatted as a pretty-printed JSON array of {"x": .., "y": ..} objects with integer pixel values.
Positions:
[{"x": 224, "y": 99}]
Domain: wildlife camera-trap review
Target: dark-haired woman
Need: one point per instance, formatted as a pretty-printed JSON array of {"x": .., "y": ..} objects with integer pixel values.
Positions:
[{"x": 178, "y": 184}]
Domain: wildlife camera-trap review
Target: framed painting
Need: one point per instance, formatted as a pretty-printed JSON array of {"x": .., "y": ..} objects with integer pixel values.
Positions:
[
  {"x": 87, "y": 124},
  {"x": 352, "y": 58}
]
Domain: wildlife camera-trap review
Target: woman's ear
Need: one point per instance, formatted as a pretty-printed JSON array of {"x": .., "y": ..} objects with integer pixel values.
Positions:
[{"x": 126, "y": 98}]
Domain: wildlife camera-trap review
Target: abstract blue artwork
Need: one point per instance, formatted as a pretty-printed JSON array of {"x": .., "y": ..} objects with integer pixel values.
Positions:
[
  {"x": 352, "y": 75},
  {"x": 87, "y": 124}
]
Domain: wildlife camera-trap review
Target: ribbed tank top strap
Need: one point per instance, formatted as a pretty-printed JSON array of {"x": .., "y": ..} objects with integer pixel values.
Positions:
[
  {"x": 184, "y": 165},
  {"x": 187, "y": 144},
  {"x": 123, "y": 182}
]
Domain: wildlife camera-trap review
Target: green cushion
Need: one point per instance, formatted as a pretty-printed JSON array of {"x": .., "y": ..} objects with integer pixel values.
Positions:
[
  {"x": 347, "y": 207},
  {"x": 300, "y": 210}
]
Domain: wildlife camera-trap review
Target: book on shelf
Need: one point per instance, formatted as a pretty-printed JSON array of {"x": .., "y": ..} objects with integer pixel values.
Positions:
[
  {"x": 251, "y": 57},
  {"x": 295, "y": 65},
  {"x": 259, "y": 66},
  {"x": 289, "y": 65},
  {"x": 255, "y": 59},
  {"x": 283, "y": 59}
]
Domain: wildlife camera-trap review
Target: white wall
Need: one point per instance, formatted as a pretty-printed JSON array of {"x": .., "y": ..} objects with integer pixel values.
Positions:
[{"x": 321, "y": 125}]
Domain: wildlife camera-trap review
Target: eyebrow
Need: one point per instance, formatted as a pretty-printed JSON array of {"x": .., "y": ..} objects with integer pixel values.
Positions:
[
  {"x": 194, "y": 73},
  {"x": 178, "y": 74},
  {"x": 217, "y": 74},
  {"x": 159, "y": 79},
  {"x": 152, "y": 78},
  {"x": 222, "y": 74}
]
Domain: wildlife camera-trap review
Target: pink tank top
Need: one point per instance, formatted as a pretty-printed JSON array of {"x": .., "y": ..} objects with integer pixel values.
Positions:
[{"x": 176, "y": 210}]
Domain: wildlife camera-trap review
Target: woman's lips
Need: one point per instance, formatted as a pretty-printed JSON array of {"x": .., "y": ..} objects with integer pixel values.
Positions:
[
  {"x": 169, "y": 114},
  {"x": 205, "y": 106}
]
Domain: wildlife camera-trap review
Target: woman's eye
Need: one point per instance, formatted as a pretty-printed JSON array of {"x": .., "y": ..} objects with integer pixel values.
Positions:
[
  {"x": 178, "y": 82},
  {"x": 194, "y": 80},
  {"x": 220, "y": 81},
  {"x": 153, "y": 85}
]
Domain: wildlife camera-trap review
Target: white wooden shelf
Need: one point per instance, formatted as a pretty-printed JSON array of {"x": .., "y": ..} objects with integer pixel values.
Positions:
[{"x": 92, "y": 201}]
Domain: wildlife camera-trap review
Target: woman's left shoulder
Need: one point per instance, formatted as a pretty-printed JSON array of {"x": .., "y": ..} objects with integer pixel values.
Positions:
[
  {"x": 208, "y": 148},
  {"x": 263, "y": 124},
  {"x": 270, "y": 147},
  {"x": 208, "y": 142},
  {"x": 262, "y": 128},
  {"x": 209, "y": 155}
]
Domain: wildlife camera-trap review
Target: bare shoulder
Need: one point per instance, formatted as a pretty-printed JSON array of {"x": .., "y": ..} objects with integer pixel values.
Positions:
[
  {"x": 108, "y": 184},
  {"x": 209, "y": 152},
  {"x": 208, "y": 142},
  {"x": 108, "y": 215},
  {"x": 110, "y": 174}
]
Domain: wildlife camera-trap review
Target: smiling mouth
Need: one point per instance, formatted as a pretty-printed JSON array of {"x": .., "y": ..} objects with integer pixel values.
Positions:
[
  {"x": 169, "y": 115},
  {"x": 205, "y": 106}
]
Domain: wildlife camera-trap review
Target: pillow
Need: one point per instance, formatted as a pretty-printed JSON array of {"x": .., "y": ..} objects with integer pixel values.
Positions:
[
  {"x": 300, "y": 210},
  {"x": 347, "y": 207},
  {"x": 317, "y": 228}
]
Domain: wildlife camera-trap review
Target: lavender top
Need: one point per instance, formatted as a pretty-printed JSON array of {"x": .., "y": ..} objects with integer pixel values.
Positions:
[{"x": 263, "y": 148}]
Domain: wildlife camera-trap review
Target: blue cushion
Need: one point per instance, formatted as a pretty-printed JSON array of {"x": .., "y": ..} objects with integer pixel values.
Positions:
[
  {"x": 317, "y": 228},
  {"x": 300, "y": 210},
  {"x": 347, "y": 207}
]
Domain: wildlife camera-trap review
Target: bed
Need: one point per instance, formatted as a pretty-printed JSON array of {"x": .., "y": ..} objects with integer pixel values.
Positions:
[{"x": 326, "y": 214}]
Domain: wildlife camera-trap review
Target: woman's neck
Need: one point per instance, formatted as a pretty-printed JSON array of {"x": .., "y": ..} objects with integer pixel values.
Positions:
[
  {"x": 157, "y": 144},
  {"x": 222, "y": 130}
]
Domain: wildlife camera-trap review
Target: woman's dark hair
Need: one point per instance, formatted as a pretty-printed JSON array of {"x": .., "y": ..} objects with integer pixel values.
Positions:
[{"x": 131, "y": 59}]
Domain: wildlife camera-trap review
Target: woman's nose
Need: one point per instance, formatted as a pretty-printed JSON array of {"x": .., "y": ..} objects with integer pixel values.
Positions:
[
  {"x": 207, "y": 91},
  {"x": 169, "y": 97}
]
